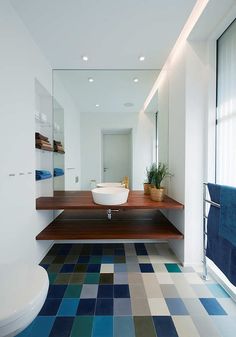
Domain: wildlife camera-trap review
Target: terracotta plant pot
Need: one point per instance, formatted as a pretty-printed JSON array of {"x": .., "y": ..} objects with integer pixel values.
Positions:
[
  {"x": 146, "y": 187},
  {"x": 157, "y": 194}
]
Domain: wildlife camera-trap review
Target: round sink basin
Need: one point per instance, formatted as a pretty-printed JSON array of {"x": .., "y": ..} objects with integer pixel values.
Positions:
[
  {"x": 110, "y": 195},
  {"x": 110, "y": 185}
]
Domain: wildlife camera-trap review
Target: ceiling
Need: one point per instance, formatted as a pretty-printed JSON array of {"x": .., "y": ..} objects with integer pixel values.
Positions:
[
  {"x": 113, "y": 34},
  {"x": 111, "y": 89}
]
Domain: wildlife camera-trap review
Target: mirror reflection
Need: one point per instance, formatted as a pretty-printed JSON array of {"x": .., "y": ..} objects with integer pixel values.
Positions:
[{"x": 101, "y": 133}]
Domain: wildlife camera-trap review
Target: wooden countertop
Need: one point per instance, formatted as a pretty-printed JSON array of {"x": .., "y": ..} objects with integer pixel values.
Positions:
[{"x": 84, "y": 200}]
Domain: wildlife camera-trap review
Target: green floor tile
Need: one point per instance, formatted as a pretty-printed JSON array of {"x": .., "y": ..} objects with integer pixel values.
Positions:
[
  {"x": 54, "y": 268},
  {"x": 77, "y": 278},
  {"x": 92, "y": 278},
  {"x": 52, "y": 277},
  {"x": 82, "y": 327},
  {"x": 81, "y": 268},
  {"x": 119, "y": 259},
  {"x": 62, "y": 278},
  {"x": 144, "y": 326},
  {"x": 172, "y": 268},
  {"x": 73, "y": 291},
  {"x": 95, "y": 259},
  {"x": 106, "y": 278},
  {"x": 71, "y": 259}
]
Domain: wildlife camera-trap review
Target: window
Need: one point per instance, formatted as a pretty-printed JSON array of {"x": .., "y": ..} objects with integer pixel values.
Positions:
[{"x": 226, "y": 108}]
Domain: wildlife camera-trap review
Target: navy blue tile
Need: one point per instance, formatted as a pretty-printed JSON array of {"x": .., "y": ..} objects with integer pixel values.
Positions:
[
  {"x": 140, "y": 249},
  {"x": 62, "y": 327},
  {"x": 121, "y": 291},
  {"x": 45, "y": 266},
  {"x": 67, "y": 268},
  {"x": 56, "y": 291},
  {"x": 83, "y": 259},
  {"x": 146, "y": 268},
  {"x": 119, "y": 252},
  {"x": 212, "y": 306},
  {"x": 104, "y": 307},
  {"x": 64, "y": 249},
  {"x": 50, "y": 307},
  {"x": 86, "y": 307},
  {"x": 164, "y": 326},
  {"x": 93, "y": 268},
  {"x": 97, "y": 250},
  {"x": 105, "y": 291}
]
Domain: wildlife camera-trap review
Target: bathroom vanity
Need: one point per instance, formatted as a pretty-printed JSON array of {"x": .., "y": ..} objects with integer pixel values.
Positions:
[{"x": 138, "y": 219}]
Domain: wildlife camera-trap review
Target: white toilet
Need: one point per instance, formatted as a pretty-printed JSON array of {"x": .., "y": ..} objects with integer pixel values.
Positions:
[{"x": 23, "y": 290}]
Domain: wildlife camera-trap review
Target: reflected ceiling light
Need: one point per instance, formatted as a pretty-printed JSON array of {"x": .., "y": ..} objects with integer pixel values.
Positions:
[
  {"x": 136, "y": 80},
  {"x": 90, "y": 79},
  {"x": 97, "y": 105},
  {"x": 85, "y": 58},
  {"x": 141, "y": 58}
]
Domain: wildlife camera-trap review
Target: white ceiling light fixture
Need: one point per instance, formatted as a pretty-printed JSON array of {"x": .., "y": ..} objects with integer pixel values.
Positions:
[
  {"x": 136, "y": 80},
  {"x": 141, "y": 58},
  {"x": 85, "y": 58},
  {"x": 97, "y": 105},
  {"x": 90, "y": 79}
]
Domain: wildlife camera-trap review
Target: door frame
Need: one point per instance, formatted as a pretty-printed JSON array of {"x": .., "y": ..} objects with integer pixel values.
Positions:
[{"x": 118, "y": 131}]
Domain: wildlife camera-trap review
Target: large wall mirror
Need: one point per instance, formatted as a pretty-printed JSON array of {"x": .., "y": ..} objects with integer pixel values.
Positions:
[{"x": 101, "y": 133}]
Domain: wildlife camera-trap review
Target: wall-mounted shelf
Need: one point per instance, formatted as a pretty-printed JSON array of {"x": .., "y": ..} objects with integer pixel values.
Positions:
[
  {"x": 44, "y": 149},
  {"x": 131, "y": 225},
  {"x": 84, "y": 200}
]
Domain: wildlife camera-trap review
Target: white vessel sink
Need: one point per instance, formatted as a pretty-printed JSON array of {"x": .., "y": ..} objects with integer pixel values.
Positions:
[
  {"x": 110, "y": 195},
  {"x": 110, "y": 185}
]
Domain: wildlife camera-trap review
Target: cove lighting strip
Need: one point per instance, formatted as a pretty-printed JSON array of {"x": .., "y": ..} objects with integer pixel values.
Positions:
[{"x": 190, "y": 23}]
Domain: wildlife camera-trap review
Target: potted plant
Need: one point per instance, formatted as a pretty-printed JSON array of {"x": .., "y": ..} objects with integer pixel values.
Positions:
[
  {"x": 156, "y": 191},
  {"x": 150, "y": 171}
]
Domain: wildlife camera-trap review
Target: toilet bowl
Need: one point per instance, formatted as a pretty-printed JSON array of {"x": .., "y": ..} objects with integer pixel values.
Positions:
[{"x": 23, "y": 290}]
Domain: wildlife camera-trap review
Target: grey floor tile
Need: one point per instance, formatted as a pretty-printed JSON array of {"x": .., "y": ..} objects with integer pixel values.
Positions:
[
  {"x": 225, "y": 325},
  {"x": 169, "y": 291},
  {"x": 120, "y": 278},
  {"x": 205, "y": 326},
  {"x": 122, "y": 307}
]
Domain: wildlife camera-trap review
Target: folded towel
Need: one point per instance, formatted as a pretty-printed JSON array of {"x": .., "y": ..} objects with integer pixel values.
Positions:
[
  {"x": 40, "y": 136},
  {"x": 42, "y": 174},
  {"x": 227, "y": 228},
  {"x": 58, "y": 172}
]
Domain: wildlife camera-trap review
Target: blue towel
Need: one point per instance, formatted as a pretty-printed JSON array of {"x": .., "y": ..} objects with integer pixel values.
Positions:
[
  {"x": 227, "y": 227},
  {"x": 58, "y": 172},
  {"x": 220, "y": 250},
  {"x": 42, "y": 174}
]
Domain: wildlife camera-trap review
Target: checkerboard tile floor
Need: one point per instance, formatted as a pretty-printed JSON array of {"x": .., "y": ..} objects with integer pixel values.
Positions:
[{"x": 128, "y": 290}]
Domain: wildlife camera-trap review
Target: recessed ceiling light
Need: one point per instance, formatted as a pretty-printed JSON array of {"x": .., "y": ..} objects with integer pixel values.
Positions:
[
  {"x": 85, "y": 58},
  {"x": 141, "y": 58},
  {"x": 128, "y": 104},
  {"x": 97, "y": 105},
  {"x": 135, "y": 80},
  {"x": 90, "y": 79}
]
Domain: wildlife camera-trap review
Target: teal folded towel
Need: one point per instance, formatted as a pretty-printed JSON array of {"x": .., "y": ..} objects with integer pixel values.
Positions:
[{"x": 227, "y": 228}]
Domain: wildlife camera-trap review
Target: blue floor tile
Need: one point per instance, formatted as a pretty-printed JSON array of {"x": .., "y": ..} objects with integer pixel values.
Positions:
[
  {"x": 40, "y": 327},
  {"x": 62, "y": 327},
  {"x": 86, "y": 307},
  {"x": 56, "y": 291},
  {"x": 68, "y": 307},
  {"x": 67, "y": 268},
  {"x": 108, "y": 259},
  {"x": 121, "y": 291},
  {"x": 50, "y": 307},
  {"x": 119, "y": 252},
  {"x": 103, "y": 326},
  {"x": 212, "y": 306},
  {"x": 124, "y": 326},
  {"x": 105, "y": 291},
  {"x": 164, "y": 326},
  {"x": 93, "y": 268},
  {"x": 217, "y": 291},
  {"x": 146, "y": 268},
  {"x": 176, "y": 306},
  {"x": 120, "y": 268},
  {"x": 104, "y": 307},
  {"x": 83, "y": 259}
]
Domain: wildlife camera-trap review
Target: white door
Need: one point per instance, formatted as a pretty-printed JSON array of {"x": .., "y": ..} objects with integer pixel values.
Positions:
[{"x": 117, "y": 157}]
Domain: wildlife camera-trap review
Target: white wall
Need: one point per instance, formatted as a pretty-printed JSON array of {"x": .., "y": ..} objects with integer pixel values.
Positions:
[
  {"x": 183, "y": 93},
  {"x": 71, "y": 134},
  {"x": 91, "y": 127},
  {"x": 21, "y": 62}
]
